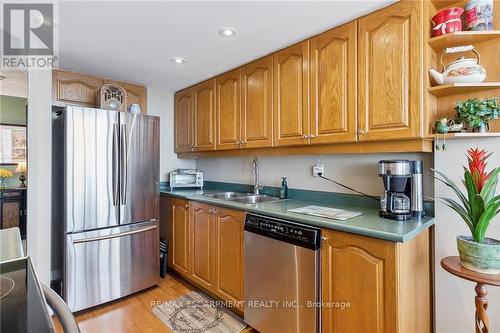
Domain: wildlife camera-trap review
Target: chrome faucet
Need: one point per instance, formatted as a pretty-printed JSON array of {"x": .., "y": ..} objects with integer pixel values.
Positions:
[{"x": 256, "y": 186}]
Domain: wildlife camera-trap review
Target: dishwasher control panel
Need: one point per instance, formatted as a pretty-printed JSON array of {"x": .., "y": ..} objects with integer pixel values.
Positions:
[{"x": 293, "y": 232}]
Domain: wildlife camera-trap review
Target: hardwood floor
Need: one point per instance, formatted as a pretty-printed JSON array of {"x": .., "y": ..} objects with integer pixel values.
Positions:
[{"x": 133, "y": 313}]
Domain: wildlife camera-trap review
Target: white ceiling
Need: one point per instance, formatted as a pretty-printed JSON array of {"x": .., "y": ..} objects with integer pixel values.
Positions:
[{"x": 134, "y": 41}]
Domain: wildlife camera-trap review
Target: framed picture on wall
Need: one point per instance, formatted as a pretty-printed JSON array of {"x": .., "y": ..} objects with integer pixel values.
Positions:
[{"x": 12, "y": 143}]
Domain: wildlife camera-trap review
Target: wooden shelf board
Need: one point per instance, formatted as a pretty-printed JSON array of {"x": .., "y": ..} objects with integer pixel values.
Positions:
[
  {"x": 439, "y": 4},
  {"x": 461, "y": 88},
  {"x": 466, "y": 135},
  {"x": 363, "y": 147},
  {"x": 460, "y": 38}
]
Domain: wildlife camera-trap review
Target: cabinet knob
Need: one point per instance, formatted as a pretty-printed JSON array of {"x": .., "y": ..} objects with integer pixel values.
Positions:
[
  {"x": 361, "y": 131},
  {"x": 186, "y": 205},
  {"x": 311, "y": 136},
  {"x": 323, "y": 238},
  {"x": 305, "y": 136}
]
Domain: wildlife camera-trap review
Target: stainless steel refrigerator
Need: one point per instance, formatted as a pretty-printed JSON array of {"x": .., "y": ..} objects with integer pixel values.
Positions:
[{"x": 106, "y": 203}]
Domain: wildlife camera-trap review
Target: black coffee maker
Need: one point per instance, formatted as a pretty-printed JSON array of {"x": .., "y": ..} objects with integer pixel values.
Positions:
[{"x": 403, "y": 195}]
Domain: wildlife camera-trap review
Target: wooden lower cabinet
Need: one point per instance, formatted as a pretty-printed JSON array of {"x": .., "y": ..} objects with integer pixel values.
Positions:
[
  {"x": 201, "y": 244},
  {"x": 180, "y": 236},
  {"x": 206, "y": 247},
  {"x": 367, "y": 284},
  {"x": 229, "y": 260},
  {"x": 384, "y": 286}
]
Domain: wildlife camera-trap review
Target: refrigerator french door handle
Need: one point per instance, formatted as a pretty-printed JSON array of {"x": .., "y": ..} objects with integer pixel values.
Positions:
[
  {"x": 121, "y": 234},
  {"x": 123, "y": 166},
  {"x": 115, "y": 171}
]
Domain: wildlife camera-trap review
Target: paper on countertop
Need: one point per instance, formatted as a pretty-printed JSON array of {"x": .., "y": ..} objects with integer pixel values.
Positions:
[{"x": 326, "y": 212}]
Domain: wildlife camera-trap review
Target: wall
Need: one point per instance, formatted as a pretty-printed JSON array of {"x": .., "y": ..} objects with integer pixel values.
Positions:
[
  {"x": 161, "y": 104},
  {"x": 354, "y": 170},
  {"x": 39, "y": 164},
  {"x": 12, "y": 111},
  {"x": 454, "y": 296}
]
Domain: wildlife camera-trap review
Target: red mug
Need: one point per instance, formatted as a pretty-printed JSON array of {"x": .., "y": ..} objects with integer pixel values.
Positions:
[{"x": 447, "y": 20}]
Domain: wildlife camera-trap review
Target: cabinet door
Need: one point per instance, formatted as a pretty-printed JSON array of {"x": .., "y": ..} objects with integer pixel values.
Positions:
[
  {"x": 291, "y": 92},
  {"x": 228, "y": 110},
  {"x": 257, "y": 103},
  {"x": 229, "y": 254},
  {"x": 334, "y": 85},
  {"x": 75, "y": 89},
  {"x": 201, "y": 245},
  {"x": 359, "y": 270},
  {"x": 183, "y": 121},
  {"x": 11, "y": 214},
  {"x": 180, "y": 236},
  {"x": 204, "y": 116},
  {"x": 390, "y": 78}
]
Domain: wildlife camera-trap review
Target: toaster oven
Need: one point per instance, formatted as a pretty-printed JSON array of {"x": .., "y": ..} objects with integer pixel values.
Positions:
[{"x": 186, "y": 178}]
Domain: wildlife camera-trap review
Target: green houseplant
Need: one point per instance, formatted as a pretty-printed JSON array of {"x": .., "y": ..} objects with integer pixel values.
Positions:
[
  {"x": 477, "y": 208},
  {"x": 476, "y": 112}
]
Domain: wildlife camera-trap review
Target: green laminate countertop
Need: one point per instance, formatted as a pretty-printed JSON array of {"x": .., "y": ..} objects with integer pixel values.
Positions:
[{"x": 368, "y": 224}]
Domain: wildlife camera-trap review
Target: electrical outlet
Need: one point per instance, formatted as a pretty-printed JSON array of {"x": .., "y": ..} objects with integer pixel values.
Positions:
[{"x": 318, "y": 169}]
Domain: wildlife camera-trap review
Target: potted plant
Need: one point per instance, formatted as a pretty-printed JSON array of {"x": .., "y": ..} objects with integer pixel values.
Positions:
[
  {"x": 476, "y": 112},
  {"x": 477, "y": 207},
  {"x": 4, "y": 173}
]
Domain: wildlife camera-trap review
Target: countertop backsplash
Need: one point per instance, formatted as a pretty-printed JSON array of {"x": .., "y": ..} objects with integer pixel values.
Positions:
[{"x": 359, "y": 171}]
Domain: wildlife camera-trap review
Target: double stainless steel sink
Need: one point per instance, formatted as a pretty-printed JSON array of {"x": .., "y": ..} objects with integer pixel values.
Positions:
[{"x": 246, "y": 198}]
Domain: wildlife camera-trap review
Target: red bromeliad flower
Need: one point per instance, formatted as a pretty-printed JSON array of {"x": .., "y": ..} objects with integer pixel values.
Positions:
[{"x": 477, "y": 164}]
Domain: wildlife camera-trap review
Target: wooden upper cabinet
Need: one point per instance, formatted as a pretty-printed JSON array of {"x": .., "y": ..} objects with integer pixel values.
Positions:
[
  {"x": 204, "y": 115},
  {"x": 390, "y": 78},
  {"x": 202, "y": 247},
  {"x": 70, "y": 88},
  {"x": 75, "y": 89},
  {"x": 228, "y": 110},
  {"x": 291, "y": 92},
  {"x": 257, "y": 103},
  {"x": 334, "y": 85},
  {"x": 359, "y": 270},
  {"x": 180, "y": 236},
  {"x": 229, "y": 254},
  {"x": 183, "y": 121}
]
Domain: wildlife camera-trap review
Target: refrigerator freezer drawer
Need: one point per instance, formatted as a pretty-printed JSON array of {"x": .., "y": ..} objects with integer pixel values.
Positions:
[{"x": 104, "y": 265}]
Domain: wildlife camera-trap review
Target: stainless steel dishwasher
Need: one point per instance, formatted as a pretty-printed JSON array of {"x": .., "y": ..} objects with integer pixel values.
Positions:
[{"x": 281, "y": 275}]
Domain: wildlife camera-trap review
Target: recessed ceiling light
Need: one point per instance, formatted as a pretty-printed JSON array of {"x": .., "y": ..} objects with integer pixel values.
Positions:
[
  {"x": 178, "y": 60},
  {"x": 227, "y": 32}
]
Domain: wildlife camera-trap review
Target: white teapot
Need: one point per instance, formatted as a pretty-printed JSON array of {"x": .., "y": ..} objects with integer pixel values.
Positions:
[{"x": 462, "y": 70}]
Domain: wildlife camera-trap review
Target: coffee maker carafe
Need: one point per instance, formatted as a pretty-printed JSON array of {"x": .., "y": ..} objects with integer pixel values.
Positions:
[{"x": 402, "y": 198}]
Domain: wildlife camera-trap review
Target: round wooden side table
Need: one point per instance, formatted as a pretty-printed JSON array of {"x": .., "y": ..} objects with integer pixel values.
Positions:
[{"x": 453, "y": 266}]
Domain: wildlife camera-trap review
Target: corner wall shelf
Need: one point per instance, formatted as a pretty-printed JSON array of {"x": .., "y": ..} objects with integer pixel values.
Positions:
[
  {"x": 461, "y": 88},
  {"x": 460, "y": 38},
  {"x": 467, "y": 135}
]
